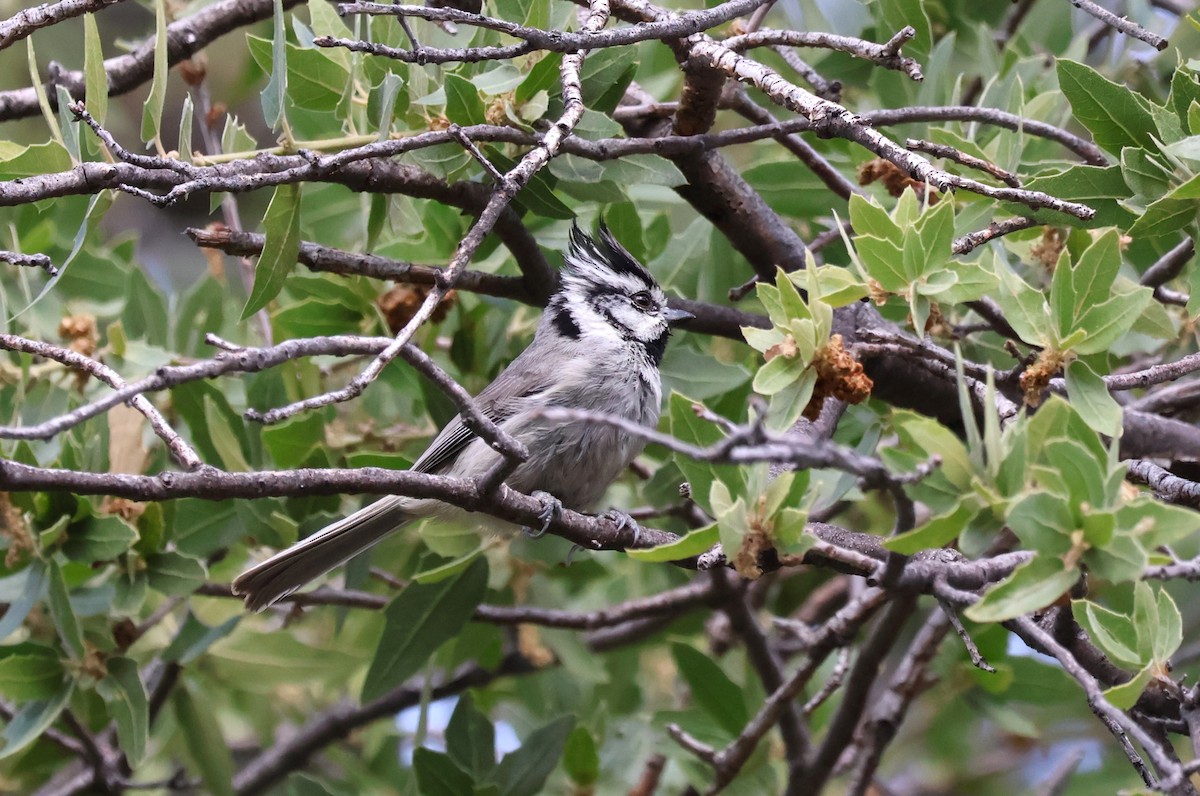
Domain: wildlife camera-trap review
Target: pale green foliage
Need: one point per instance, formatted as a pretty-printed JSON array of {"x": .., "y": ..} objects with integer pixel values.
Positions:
[
  {"x": 799, "y": 327},
  {"x": 908, "y": 253}
]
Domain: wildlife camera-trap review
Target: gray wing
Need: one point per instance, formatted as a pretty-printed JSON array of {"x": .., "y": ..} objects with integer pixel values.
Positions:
[{"x": 499, "y": 401}]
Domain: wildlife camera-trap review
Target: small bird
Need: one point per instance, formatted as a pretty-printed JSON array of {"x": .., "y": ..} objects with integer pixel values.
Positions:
[{"x": 598, "y": 347}]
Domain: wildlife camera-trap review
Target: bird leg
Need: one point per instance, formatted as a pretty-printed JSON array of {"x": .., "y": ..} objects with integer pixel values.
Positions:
[
  {"x": 551, "y": 506},
  {"x": 623, "y": 521}
]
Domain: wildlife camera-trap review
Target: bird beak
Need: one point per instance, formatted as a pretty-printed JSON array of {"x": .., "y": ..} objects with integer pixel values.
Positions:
[{"x": 676, "y": 316}]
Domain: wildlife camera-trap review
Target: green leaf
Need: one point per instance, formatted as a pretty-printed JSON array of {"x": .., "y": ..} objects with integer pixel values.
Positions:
[
  {"x": 316, "y": 78},
  {"x": 1116, "y": 116},
  {"x": 275, "y": 93},
  {"x": 1092, "y": 399},
  {"x": 40, "y": 91},
  {"x": 936, "y": 532},
  {"x": 27, "y": 161},
  {"x": 1125, "y": 696},
  {"x": 884, "y": 262},
  {"x": 96, "y": 209},
  {"x": 1043, "y": 521},
  {"x": 693, "y": 543},
  {"x": 99, "y": 539},
  {"x": 186, "y": 114},
  {"x": 452, "y": 567},
  {"x": 869, "y": 219},
  {"x": 419, "y": 621},
  {"x": 1034, "y": 585},
  {"x": 145, "y": 312},
  {"x": 30, "y": 672},
  {"x": 691, "y": 372},
  {"x": 1097, "y": 186},
  {"x": 125, "y": 696},
  {"x": 580, "y": 758},
  {"x": 1024, "y": 308},
  {"x": 605, "y": 76},
  {"x": 689, "y": 427},
  {"x": 643, "y": 170},
  {"x": 463, "y": 104},
  {"x": 194, "y": 638},
  {"x": 153, "y": 107},
  {"x": 1168, "y": 631},
  {"x": 1163, "y": 217},
  {"x": 28, "y": 723},
  {"x": 1092, "y": 276},
  {"x": 523, "y": 772},
  {"x": 203, "y": 740},
  {"x": 282, "y": 226},
  {"x": 29, "y": 584},
  {"x": 224, "y": 440},
  {"x": 94, "y": 77},
  {"x": 63, "y": 614},
  {"x": 787, "y": 405},
  {"x": 1112, "y": 632},
  {"x": 471, "y": 739},
  {"x": 932, "y": 438},
  {"x": 291, "y": 442},
  {"x": 1144, "y": 174},
  {"x": 1105, "y": 323},
  {"x": 542, "y": 77},
  {"x": 438, "y": 775},
  {"x": 778, "y": 374},
  {"x": 935, "y": 229},
  {"x": 711, "y": 688},
  {"x": 1184, "y": 91},
  {"x": 174, "y": 574}
]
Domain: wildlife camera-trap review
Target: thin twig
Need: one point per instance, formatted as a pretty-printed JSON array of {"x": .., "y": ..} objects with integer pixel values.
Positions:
[
  {"x": 970, "y": 161},
  {"x": 1121, "y": 24},
  {"x": 31, "y": 260},
  {"x": 181, "y": 451},
  {"x": 25, "y": 22},
  {"x": 977, "y": 659}
]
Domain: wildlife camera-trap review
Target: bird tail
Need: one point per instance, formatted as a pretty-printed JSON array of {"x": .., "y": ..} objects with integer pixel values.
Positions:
[{"x": 288, "y": 570}]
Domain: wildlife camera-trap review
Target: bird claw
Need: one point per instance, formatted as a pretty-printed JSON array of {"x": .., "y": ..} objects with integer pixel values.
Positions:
[
  {"x": 551, "y": 506},
  {"x": 623, "y": 521}
]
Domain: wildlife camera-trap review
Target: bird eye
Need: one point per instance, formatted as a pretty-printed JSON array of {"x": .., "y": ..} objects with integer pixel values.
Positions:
[{"x": 642, "y": 300}]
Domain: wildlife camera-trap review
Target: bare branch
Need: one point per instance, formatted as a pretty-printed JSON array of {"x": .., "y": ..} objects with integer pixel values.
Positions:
[
  {"x": 1166, "y": 486},
  {"x": 181, "y": 451},
  {"x": 291, "y": 752},
  {"x": 24, "y": 23},
  {"x": 681, "y": 26},
  {"x": 973, "y": 240},
  {"x": 857, "y": 688},
  {"x": 1121, "y": 24},
  {"x": 885, "y": 55},
  {"x": 886, "y": 117},
  {"x": 672, "y": 602},
  {"x": 976, "y": 658},
  {"x": 831, "y": 119},
  {"x": 729, "y": 761},
  {"x": 1120, "y": 724},
  {"x": 710, "y": 318},
  {"x": 970, "y": 161},
  {"x": 909, "y": 679},
  {"x": 236, "y": 359},
  {"x": 31, "y": 260},
  {"x": 185, "y": 38}
]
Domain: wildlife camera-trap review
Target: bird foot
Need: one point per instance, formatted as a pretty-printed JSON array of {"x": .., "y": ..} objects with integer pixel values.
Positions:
[
  {"x": 623, "y": 521},
  {"x": 551, "y": 506}
]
